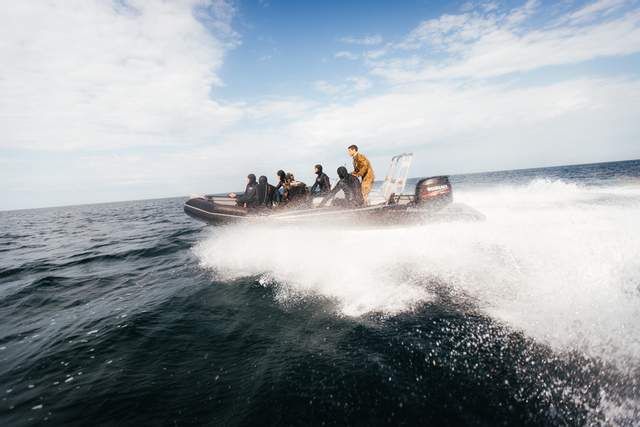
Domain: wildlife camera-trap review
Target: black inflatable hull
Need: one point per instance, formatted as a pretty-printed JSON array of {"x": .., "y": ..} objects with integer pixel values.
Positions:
[
  {"x": 213, "y": 213},
  {"x": 431, "y": 201}
]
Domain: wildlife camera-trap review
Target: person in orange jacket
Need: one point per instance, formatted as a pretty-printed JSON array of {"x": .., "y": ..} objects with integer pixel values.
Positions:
[{"x": 362, "y": 169}]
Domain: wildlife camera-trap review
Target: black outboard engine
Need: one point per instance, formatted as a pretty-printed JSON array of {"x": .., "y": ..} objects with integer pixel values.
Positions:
[{"x": 433, "y": 192}]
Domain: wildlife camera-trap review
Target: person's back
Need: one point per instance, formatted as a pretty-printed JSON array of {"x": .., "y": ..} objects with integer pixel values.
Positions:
[
  {"x": 350, "y": 186},
  {"x": 265, "y": 192},
  {"x": 297, "y": 191}
]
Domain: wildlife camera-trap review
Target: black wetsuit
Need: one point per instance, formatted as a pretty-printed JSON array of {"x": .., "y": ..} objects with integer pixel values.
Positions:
[
  {"x": 250, "y": 195},
  {"x": 322, "y": 184},
  {"x": 265, "y": 192},
  {"x": 350, "y": 186}
]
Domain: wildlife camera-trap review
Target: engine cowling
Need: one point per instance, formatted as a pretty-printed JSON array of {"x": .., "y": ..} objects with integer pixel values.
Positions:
[{"x": 434, "y": 191}]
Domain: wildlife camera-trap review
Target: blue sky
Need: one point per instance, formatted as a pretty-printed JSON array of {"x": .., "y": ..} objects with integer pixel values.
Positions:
[{"x": 121, "y": 100}]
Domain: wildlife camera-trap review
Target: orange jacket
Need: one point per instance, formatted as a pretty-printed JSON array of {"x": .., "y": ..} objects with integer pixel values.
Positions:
[{"x": 362, "y": 168}]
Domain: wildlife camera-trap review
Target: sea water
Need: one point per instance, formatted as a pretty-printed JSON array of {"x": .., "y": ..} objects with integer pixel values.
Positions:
[{"x": 132, "y": 313}]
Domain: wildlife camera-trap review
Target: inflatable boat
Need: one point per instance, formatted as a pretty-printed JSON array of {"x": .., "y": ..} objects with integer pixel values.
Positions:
[{"x": 431, "y": 200}]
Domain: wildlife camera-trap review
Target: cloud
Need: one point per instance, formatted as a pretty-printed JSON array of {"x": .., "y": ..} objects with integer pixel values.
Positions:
[
  {"x": 112, "y": 101},
  {"x": 599, "y": 7},
  {"x": 365, "y": 40},
  {"x": 100, "y": 75},
  {"x": 423, "y": 113},
  {"x": 350, "y": 86},
  {"x": 343, "y": 54},
  {"x": 481, "y": 46}
]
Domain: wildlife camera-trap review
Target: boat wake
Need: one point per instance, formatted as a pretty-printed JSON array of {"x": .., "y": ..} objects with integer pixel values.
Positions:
[{"x": 559, "y": 261}]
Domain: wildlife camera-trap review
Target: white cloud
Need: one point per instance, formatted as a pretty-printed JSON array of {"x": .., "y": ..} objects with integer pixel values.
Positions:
[
  {"x": 422, "y": 113},
  {"x": 90, "y": 78},
  {"x": 344, "y": 54},
  {"x": 479, "y": 46},
  {"x": 592, "y": 10},
  {"x": 365, "y": 40},
  {"x": 96, "y": 74},
  {"x": 350, "y": 86},
  {"x": 277, "y": 110}
]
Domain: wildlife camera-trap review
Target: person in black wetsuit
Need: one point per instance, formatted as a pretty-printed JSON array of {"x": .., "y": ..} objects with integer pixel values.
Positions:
[
  {"x": 322, "y": 185},
  {"x": 279, "y": 195},
  {"x": 350, "y": 186},
  {"x": 265, "y": 192},
  {"x": 249, "y": 198}
]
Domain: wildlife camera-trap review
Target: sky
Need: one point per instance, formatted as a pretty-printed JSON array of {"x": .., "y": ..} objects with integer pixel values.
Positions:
[{"x": 106, "y": 100}]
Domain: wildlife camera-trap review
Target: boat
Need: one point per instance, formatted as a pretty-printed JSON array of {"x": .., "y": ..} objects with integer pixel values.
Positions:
[{"x": 431, "y": 200}]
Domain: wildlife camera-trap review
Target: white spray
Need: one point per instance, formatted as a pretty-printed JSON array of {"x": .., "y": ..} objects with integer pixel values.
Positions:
[{"x": 560, "y": 262}]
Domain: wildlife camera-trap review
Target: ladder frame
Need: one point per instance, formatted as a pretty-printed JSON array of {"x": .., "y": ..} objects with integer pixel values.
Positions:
[{"x": 396, "y": 179}]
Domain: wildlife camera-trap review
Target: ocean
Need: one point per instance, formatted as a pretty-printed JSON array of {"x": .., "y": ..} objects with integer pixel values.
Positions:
[{"x": 132, "y": 313}]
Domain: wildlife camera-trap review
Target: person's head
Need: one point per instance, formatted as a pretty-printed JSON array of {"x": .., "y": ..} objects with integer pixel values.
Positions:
[
  {"x": 251, "y": 178},
  {"x": 342, "y": 172},
  {"x": 262, "y": 180},
  {"x": 352, "y": 150},
  {"x": 290, "y": 176},
  {"x": 318, "y": 169},
  {"x": 281, "y": 175}
]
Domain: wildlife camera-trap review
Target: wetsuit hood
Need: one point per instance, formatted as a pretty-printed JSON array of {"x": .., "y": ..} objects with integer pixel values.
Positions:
[
  {"x": 262, "y": 179},
  {"x": 252, "y": 178},
  {"x": 318, "y": 169},
  {"x": 342, "y": 172}
]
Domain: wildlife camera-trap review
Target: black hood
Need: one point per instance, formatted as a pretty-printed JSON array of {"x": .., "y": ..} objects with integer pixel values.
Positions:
[
  {"x": 318, "y": 169},
  {"x": 262, "y": 179},
  {"x": 281, "y": 175},
  {"x": 342, "y": 172},
  {"x": 252, "y": 178}
]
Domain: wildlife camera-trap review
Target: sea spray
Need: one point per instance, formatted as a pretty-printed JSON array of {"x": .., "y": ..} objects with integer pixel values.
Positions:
[{"x": 557, "y": 260}]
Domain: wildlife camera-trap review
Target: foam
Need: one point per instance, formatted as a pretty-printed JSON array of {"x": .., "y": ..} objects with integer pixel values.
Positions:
[{"x": 559, "y": 261}]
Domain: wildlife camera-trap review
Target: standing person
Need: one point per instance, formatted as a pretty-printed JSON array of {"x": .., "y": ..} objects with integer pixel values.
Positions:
[
  {"x": 362, "y": 168},
  {"x": 322, "y": 184}
]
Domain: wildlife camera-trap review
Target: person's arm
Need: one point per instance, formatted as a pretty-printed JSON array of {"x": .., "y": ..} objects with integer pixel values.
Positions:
[
  {"x": 331, "y": 194},
  {"x": 250, "y": 195},
  {"x": 361, "y": 166},
  {"x": 314, "y": 186},
  {"x": 326, "y": 184}
]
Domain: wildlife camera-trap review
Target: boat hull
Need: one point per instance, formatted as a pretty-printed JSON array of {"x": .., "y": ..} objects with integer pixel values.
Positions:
[{"x": 215, "y": 213}]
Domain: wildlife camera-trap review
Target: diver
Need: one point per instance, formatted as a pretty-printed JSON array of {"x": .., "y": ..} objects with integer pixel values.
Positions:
[
  {"x": 265, "y": 192},
  {"x": 249, "y": 198},
  {"x": 296, "y": 192},
  {"x": 362, "y": 168},
  {"x": 350, "y": 186},
  {"x": 280, "y": 188},
  {"x": 322, "y": 184}
]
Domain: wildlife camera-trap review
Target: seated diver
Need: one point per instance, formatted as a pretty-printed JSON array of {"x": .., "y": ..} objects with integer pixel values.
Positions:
[
  {"x": 350, "y": 186},
  {"x": 249, "y": 198},
  {"x": 279, "y": 194},
  {"x": 265, "y": 192},
  {"x": 322, "y": 185},
  {"x": 296, "y": 192}
]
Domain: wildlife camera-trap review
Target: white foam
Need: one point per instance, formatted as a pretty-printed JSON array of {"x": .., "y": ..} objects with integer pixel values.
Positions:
[{"x": 559, "y": 261}]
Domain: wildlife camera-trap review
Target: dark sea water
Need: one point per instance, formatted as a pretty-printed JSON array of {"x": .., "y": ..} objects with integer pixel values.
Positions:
[{"x": 134, "y": 314}]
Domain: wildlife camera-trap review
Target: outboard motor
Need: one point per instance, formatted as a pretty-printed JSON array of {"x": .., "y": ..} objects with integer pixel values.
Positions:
[{"x": 433, "y": 192}]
